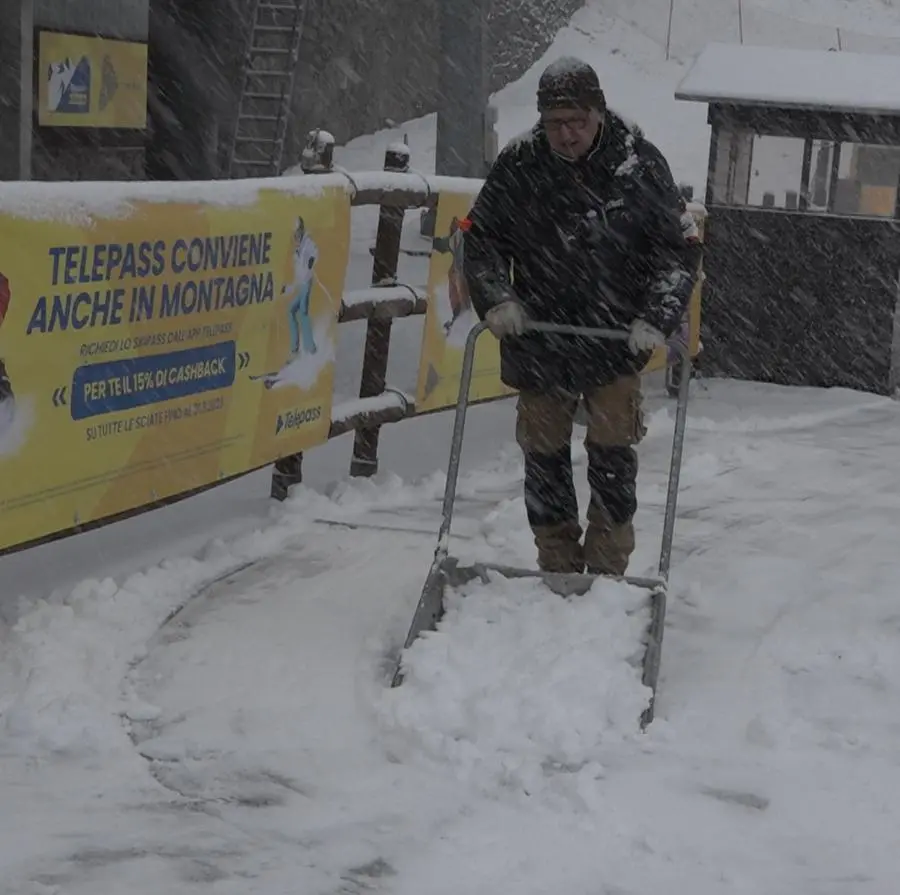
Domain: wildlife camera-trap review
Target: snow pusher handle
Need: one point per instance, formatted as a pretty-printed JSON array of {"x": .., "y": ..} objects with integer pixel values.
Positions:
[
  {"x": 462, "y": 406},
  {"x": 565, "y": 329}
]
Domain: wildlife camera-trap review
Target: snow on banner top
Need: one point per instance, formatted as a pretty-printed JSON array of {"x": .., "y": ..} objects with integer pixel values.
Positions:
[
  {"x": 77, "y": 202},
  {"x": 789, "y": 78}
]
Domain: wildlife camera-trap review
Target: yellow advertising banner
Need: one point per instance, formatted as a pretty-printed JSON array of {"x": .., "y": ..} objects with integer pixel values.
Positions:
[
  {"x": 450, "y": 318},
  {"x": 151, "y": 351},
  {"x": 91, "y": 81}
]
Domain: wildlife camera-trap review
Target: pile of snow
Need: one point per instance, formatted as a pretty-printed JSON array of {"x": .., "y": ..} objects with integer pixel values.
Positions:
[
  {"x": 518, "y": 683},
  {"x": 64, "y": 663}
]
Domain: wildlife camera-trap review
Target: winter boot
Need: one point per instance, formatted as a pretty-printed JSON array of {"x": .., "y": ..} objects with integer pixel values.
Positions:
[
  {"x": 559, "y": 548},
  {"x": 607, "y": 546}
]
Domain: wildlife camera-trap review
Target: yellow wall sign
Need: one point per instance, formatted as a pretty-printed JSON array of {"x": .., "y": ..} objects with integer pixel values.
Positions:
[
  {"x": 157, "y": 349},
  {"x": 449, "y": 319},
  {"x": 91, "y": 82}
]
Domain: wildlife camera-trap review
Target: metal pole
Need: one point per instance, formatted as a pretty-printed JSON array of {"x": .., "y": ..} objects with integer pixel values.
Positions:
[
  {"x": 456, "y": 439},
  {"x": 684, "y": 391},
  {"x": 804, "y": 174},
  {"x": 463, "y": 87}
]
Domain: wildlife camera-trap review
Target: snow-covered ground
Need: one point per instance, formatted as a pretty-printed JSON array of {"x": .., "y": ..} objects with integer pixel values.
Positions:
[
  {"x": 249, "y": 744},
  {"x": 194, "y": 700}
]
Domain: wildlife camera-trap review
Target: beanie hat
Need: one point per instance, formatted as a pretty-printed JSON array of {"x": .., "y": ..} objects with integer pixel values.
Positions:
[{"x": 570, "y": 83}]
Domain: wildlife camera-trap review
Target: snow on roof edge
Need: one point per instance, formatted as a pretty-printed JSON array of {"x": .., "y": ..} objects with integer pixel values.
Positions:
[
  {"x": 781, "y": 77},
  {"x": 798, "y": 105}
]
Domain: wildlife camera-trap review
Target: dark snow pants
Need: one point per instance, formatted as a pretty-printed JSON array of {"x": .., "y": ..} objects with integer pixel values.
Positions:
[{"x": 544, "y": 430}]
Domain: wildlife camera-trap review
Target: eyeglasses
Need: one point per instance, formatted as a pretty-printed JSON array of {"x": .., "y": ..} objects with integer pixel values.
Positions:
[{"x": 572, "y": 122}]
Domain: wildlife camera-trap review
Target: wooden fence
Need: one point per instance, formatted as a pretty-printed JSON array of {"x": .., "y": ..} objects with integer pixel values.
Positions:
[{"x": 395, "y": 190}]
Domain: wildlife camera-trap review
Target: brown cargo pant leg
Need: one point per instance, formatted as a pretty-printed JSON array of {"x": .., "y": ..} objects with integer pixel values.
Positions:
[
  {"x": 544, "y": 424},
  {"x": 615, "y": 425}
]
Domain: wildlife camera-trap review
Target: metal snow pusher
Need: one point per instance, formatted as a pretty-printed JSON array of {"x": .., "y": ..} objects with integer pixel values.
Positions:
[{"x": 446, "y": 572}]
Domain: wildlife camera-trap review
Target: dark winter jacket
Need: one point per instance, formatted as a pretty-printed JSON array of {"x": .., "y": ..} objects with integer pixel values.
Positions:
[
  {"x": 593, "y": 242},
  {"x": 5, "y": 387}
]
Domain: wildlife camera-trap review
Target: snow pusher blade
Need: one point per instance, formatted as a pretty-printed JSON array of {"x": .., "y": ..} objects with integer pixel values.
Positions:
[{"x": 446, "y": 573}]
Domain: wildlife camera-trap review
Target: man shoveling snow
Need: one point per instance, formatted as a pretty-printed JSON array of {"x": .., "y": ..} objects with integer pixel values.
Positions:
[{"x": 580, "y": 223}]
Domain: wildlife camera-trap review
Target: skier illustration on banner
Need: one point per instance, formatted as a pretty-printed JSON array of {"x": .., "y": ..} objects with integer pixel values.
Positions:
[
  {"x": 305, "y": 359},
  {"x": 306, "y": 253},
  {"x": 460, "y": 304}
]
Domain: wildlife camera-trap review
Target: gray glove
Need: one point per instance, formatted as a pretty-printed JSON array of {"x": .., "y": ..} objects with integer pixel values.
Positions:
[
  {"x": 506, "y": 319},
  {"x": 644, "y": 337}
]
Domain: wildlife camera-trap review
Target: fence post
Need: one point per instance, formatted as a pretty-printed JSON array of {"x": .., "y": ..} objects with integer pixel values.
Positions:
[
  {"x": 317, "y": 158},
  {"x": 378, "y": 330}
]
